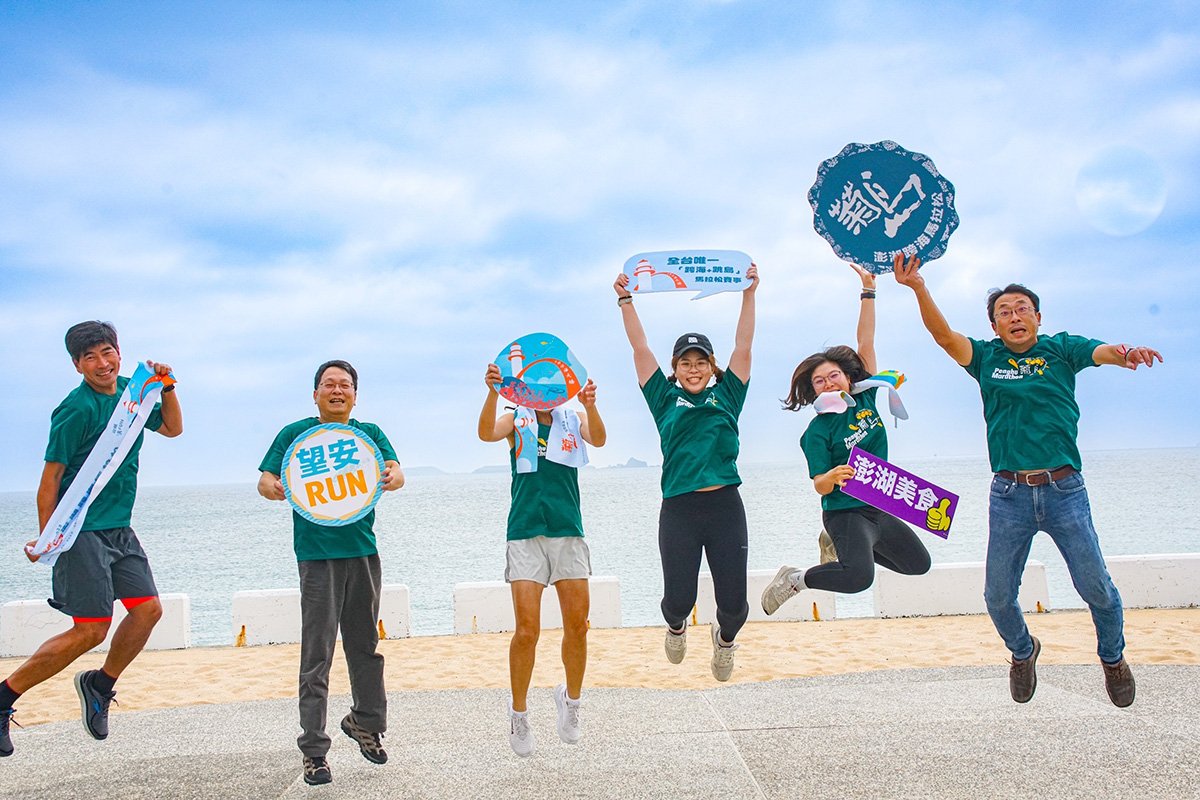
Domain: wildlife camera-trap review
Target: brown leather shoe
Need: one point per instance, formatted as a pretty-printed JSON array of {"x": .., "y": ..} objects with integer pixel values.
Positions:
[
  {"x": 1118, "y": 680},
  {"x": 1022, "y": 675}
]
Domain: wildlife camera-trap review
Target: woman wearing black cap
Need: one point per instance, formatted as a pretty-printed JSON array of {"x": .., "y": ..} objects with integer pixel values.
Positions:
[{"x": 701, "y": 509}]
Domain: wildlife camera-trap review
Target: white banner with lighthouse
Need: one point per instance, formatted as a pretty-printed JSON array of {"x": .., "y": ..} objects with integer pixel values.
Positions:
[{"x": 333, "y": 474}]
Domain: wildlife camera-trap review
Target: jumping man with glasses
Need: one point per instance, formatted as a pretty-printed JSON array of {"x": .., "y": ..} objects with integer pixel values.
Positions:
[{"x": 1027, "y": 381}]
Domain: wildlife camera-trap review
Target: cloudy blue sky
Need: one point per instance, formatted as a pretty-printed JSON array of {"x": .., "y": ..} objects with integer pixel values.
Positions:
[{"x": 247, "y": 189}]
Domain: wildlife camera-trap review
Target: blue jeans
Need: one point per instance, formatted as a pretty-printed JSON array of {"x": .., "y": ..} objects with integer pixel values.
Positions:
[{"x": 1060, "y": 508}]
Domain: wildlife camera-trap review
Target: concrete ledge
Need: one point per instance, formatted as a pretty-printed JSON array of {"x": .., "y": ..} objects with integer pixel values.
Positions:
[
  {"x": 25, "y": 624},
  {"x": 810, "y": 604},
  {"x": 1157, "y": 581},
  {"x": 486, "y": 606},
  {"x": 951, "y": 589},
  {"x": 272, "y": 616}
]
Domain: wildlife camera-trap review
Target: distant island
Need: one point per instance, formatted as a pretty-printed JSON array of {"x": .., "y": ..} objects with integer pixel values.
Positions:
[{"x": 420, "y": 472}]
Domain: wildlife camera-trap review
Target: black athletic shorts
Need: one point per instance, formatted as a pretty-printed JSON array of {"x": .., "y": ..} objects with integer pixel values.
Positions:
[{"x": 100, "y": 568}]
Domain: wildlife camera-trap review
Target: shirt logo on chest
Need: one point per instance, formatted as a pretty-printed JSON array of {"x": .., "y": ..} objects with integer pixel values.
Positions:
[{"x": 1019, "y": 370}]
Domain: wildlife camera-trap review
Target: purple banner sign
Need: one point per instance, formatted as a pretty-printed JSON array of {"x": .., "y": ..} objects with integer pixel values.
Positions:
[{"x": 901, "y": 494}]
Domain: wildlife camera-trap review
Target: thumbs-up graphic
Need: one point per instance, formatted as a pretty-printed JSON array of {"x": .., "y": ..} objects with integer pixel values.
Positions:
[{"x": 937, "y": 519}]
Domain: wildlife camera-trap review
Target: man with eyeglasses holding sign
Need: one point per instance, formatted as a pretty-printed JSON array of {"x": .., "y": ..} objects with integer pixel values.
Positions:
[{"x": 1027, "y": 382}]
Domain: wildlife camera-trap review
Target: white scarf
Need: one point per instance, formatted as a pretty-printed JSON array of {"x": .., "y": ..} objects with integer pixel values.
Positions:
[
  {"x": 126, "y": 423},
  {"x": 837, "y": 402},
  {"x": 564, "y": 444}
]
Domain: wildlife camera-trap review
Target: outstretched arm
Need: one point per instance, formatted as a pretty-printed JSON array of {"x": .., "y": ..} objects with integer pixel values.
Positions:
[
  {"x": 954, "y": 343},
  {"x": 1122, "y": 355},
  {"x": 491, "y": 428},
  {"x": 643, "y": 360},
  {"x": 743, "y": 337},
  {"x": 172, "y": 415},
  {"x": 866, "y": 320},
  {"x": 591, "y": 427}
]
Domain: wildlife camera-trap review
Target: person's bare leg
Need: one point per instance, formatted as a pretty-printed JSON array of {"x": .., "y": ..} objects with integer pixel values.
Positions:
[
  {"x": 574, "y": 600},
  {"x": 56, "y": 654},
  {"x": 522, "y": 650},
  {"x": 131, "y": 636}
]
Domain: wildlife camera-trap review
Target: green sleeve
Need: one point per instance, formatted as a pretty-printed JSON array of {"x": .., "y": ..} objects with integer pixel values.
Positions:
[
  {"x": 657, "y": 393},
  {"x": 975, "y": 367},
  {"x": 1077, "y": 350},
  {"x": 273, "y": 461},
  {"x": 816, "y": 450},
  {"x": 68, "y": 430},
  {"x": 381, "y": 441},
  {"x": 733, "y": 389}
]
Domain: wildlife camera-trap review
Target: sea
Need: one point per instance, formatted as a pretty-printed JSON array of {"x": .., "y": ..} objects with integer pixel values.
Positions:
[{"x": 441, "y": 529}]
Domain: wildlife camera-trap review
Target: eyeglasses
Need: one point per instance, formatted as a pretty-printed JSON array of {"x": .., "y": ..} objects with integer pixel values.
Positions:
[
  {"x": 345, "y": 386},
  {"x": 828, "y": 380},
  {"x": 1009, "y": 313}
]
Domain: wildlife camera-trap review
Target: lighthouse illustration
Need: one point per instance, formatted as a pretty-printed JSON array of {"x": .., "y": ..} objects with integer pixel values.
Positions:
[
  {"x": 644, "y": 274},
  {"x": 516, "y": 358}
]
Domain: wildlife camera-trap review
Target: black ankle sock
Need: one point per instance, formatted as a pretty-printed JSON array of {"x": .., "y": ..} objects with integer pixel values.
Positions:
[
  {"x": 103, "y": 682},
  {"x": 7, "y": 695}
]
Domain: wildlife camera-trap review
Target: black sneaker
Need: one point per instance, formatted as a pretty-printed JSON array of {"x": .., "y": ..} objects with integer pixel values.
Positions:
[
  {"x": 368, "y": 742},
  {"x": 94, "y": 705},
  {"x": 1022, "y": 675},
  {"x": 1118, "y": 680},
  {"x": 6, "y": 717},
  {"x": 316, "y": 771}
]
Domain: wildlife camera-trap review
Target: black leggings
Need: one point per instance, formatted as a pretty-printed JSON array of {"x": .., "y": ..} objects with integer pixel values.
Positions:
[
  {"x": 715, "y": 523},
  {"x": 865, "y": 537}
]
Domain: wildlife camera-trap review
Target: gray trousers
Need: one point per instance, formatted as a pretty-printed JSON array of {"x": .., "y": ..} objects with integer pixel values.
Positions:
[{"x": 345, "y": 592}]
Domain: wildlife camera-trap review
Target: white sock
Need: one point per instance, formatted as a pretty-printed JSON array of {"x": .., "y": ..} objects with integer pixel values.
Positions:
[{"x": 798, "y": 580}]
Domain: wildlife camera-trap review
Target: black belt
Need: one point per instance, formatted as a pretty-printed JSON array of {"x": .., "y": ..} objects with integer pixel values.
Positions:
[{"x": 1040, "y": 478}]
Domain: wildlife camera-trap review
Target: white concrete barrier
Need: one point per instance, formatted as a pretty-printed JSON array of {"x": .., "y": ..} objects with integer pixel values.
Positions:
[
  {"x": 951, "y": 589},
  {"x": 272, "y": 616},
  {"x": 486, "y": 606},
  {"x": 1157, "y": 581},
  {"x": 25, "y": 624},
  {"x": 810, "y": 604}
]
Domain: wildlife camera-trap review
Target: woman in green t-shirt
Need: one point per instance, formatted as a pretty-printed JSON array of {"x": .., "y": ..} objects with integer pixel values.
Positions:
[
  {"x": 702, "y": 510},
  {"x": 862, "y": 535}
]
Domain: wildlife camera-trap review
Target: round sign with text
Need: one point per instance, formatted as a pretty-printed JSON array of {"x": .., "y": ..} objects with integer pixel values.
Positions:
[
  {"x": 539, "y": 371},
  {"x": 333, "y": 474},
  {"x": 874, "y": 201}
]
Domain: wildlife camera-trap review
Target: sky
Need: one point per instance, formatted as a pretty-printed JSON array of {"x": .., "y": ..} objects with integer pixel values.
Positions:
[{"x": 247, "y": 189}]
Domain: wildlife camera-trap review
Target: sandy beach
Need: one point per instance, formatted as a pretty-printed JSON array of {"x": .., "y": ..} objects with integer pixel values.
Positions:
[{"x": 623, "y": 657}]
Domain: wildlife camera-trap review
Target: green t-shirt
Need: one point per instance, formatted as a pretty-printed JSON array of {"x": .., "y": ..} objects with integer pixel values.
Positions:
[
  {"x": 544, "y": 502},
  {"x": 698, "y": 433},
  {"x": 313, "y": 542},
  {"x": 1029, "y": 400},
  {"x": 75, "y": 426},
  {"x": 829, "y": 438}
]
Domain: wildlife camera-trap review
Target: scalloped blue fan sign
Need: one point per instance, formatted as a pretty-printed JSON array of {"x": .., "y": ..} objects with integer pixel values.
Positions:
[
  {"x": 333, "y": 474},
  {"x": 872, "y": 201}
]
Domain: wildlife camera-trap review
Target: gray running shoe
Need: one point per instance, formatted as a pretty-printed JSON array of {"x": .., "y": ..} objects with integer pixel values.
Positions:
[
  {"x": 676, "y": 645},
  {"x": 93, "y": 704},
  {"x": 828, "y": 551},
  {"x": 1022, "y": 675},
  {"x": 722, "y": 659},
  {"x": 6, "y": 745},
  {"x": 520, "y": 735},
  {"x": 569, "y": 729},
  {"x": 781, "y": 589},
  {"x": 368, "y": 741},
  {"x": 1118, "y": 680},
  {"x": 316, "y": 771}
]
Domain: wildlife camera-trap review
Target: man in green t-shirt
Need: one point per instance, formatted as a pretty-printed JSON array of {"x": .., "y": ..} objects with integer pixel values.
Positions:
[
  {"x": 1027, "y": 382},
  {"x": 340, "y": 584},
  {"x": 106, "y": 562}
]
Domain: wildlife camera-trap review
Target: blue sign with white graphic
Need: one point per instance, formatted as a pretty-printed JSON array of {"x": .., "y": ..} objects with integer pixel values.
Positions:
[
  {"x": 707, "y": 271},
  {"x": 874, "y": 201}
]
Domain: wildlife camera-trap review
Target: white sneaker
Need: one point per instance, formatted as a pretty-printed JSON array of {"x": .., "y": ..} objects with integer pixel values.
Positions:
[
  {"x": 568, "y": 716},
  {"x": 676, "y": 645},
  {"x": 520, "y": 735},
  {"x": 722, "y": 660},
  {"x": 783, "y": 587}
]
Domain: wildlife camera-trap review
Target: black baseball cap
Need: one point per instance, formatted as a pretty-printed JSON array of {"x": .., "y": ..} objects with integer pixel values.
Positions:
[{"x": 692, "y": 341}]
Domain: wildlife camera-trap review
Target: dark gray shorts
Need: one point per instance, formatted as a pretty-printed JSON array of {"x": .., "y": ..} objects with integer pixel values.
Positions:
[{"x": 100, "y": 568}]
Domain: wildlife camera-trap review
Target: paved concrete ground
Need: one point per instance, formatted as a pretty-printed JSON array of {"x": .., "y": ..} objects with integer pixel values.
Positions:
[{"x": 902, "y": 733}]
